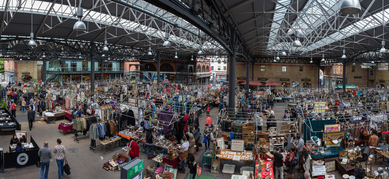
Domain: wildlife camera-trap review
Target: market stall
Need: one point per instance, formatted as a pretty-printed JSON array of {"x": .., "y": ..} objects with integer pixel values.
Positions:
[
  {"x": 8, "y": 123},
  {"x": 28, "y": 156}
]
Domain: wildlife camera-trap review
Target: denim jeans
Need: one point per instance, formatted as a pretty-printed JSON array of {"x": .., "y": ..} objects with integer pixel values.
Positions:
[
  {"x": 23, "y": 109},
  {"x": 43, "y": 165},
  {"x": 183, "y": 165},
  {"x": 60, "y": 164},
  {"x": 150, "y": 150}
]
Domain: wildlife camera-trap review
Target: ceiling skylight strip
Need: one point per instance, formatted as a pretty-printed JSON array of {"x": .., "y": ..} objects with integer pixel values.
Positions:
[
  {"x": 366, "y": 24},
  {"x": 278, "y": 16}
]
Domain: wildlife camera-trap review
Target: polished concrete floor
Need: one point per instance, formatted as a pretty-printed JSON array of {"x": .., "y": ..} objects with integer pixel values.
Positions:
[{"x": 87, "y": 164}]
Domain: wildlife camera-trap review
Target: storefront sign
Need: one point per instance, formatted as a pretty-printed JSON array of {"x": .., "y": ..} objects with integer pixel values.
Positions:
[
  {"x": 22, "y": 159},
  {"x": 262, "y": 79},
  {"x": 357, "y": 77},
  {"x": 333, "y": 136},
  {"x": 241, "y": 78},
  {"x": 284, "y": 79}
]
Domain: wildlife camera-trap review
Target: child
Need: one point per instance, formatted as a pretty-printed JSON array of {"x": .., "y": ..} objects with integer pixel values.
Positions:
[{"x": 206, "y": 136}]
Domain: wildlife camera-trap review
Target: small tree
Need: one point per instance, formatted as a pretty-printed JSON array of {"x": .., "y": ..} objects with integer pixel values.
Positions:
[{"x": 3, "y": 104}]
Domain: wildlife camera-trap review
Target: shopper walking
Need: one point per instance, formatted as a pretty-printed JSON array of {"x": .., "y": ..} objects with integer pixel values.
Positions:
[
  {"x": 278, "y": 163},
  {"x": 31, "y": 118},
  {"x": 149, "y": 144},
  {"x": 23, "y": 106},
  {"x": 13, "y": 108},
  {"x": 192, "y": 167},
  {"x": 196, "y": 134},
  {"x": 60, "y": 156},
  {"x": 45, "y": 155}
]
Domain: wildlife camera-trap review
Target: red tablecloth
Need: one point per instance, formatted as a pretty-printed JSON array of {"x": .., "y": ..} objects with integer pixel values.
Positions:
[
  {"x": 269, "y": 173},
  {"x": 69, "y": 114},
  {"x": 173, "y": 163},
  {"x": 65, "y": 128}
]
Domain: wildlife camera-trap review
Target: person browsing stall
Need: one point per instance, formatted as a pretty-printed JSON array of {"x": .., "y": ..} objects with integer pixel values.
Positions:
[
  {"x": 19, "y": 147},
  {"x": 373, "y": 140},
  {"x": 133, "y": 148},
  {"x": 184, "y": 153},
  {"x": 14, "y": 140}
]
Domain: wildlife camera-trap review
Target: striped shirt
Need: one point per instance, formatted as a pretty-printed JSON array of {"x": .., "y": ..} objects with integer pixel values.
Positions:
[{"x": 59, "y": 151}]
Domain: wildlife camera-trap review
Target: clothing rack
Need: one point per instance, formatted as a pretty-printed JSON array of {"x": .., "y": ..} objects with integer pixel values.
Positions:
[{"x": 76, "y": 138}]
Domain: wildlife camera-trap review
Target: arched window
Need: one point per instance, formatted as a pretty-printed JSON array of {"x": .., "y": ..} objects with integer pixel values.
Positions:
[
  {"x": 150, "y": 67},
  {"x": 203, "y": 69},
  {"x": 167, "y": 67},
  {"x": 198, "y": 69},
  {"x": 207, "y": 68}
]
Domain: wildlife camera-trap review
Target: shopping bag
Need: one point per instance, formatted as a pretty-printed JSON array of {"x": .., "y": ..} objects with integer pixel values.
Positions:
[
  {"x": 205, "y": 139},
  {"x": 66, "y": 168}
]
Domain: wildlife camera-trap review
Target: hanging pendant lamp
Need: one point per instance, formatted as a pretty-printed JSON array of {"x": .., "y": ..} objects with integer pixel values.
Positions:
[
  {"x": 311, "y": 60},
  {"x": 79, "y": 25},
  {"x": 383, "y": 50},
  {"x": 278, "y": 57},
  {"x": 323, "y": 58},
  {"x": 191, "y": 58},
  {"x": 283, "y": 53},
  {"x": 176, "y": 56},
  {"x": 350, "y": 7},
  {"x": 200, "y": 51},
  {"x": 297, "y": 43},
  {"x": 166, "y": 43},
  {"x": 344, "y": 54},
  {"x": 149, "y": 53},
  {"x": 32, "y": 42}
]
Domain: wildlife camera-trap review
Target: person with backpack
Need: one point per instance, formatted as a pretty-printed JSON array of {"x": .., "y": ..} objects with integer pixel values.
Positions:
[{"x": 293, "y": 161}]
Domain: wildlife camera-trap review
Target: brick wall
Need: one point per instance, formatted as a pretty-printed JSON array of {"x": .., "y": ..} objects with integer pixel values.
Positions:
[
  {"x": 24, "y": 67},
  {"x": 273, "y": 73}
]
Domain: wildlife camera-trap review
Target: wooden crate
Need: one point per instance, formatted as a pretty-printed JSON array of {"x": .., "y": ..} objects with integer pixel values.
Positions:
[
  {"x": 248, "y": 131},
  {"x": 248, "y": 138}
]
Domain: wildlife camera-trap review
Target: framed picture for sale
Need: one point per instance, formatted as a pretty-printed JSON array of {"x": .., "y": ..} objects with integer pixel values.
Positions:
[
  {"x": 220, "y": 143},
  {"x": 215, "y": 166}
]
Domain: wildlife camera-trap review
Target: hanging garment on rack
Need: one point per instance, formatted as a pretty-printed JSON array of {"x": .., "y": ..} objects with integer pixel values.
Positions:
[
  {"x": 130, "y": 118},
  {"x": 179, "y": 126},
  {"x": 165, "y": 117},
  {"x": 186, "y": 119}
]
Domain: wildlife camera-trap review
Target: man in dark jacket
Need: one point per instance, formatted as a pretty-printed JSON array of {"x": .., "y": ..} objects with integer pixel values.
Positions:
[{"x": 31, "y": 118}]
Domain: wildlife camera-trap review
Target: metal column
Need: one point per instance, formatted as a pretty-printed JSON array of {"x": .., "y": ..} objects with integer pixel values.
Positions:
[
  {"x": 318, "y": 76},
  {"x": 344, "y": 76},
  {"x": 247, "y": 79},
  {"x": 252, "y": 71},
  {"x": 92, "y": 78},
  {"x": 158, "y": 68},
  {"x": 43, "y": 71},
  {"x": 102, "y": 70},
  {"x": 187, "y": 80},
  {"x": 231, "y": 84}
]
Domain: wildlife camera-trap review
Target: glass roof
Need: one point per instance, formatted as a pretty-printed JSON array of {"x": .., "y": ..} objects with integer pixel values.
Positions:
[
  {"x": 279, "y": 15},
  {"x": 62, "y": 12},
  {"x": 353, "y": 29}
]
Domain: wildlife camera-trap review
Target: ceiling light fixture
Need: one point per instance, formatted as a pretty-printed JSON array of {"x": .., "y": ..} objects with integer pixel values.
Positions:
[
  {"x": 383, "y": 50},
  {"x": 79, "y": 25},
  {"x": 372, "y": 61},
  {"x": 43, "y": 56},
  {"x": 200, "y": 51},
  {"x": 105, "y": 48},
  {"x": 167, "y": 42},
  {"x": 191, "y": 58},
  {"x": 176, "y": 56},
  {"x": 311, "y": 60},
  {"x": 297, "y": 43},
  {"x": 283, "y": 53},
  {"x": 323, "y": 59},
  {"x": 216, "y": 55},
  {"x": 20, "y": 59},
  {"x": 344, "y": 54},
  {"x": 278, "y": 57},
  {"x": 350, "y": 7},
  {"x": 32, "y": 42},
  {"x": 149, "y": 53}
]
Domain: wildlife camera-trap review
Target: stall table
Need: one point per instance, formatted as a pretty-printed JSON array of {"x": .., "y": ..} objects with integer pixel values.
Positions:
[
  {"x": 269, "y": 173},
  {"x": 110, "y": 142},
  {"x": 344, "y": 169},
  {"x": 65, "y": 128},
  {"x": 173, "y": 162},
  {"x": 56, "y": 116}
]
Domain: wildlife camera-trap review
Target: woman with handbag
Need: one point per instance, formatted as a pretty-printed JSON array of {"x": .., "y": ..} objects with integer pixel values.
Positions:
[
  {"x": 60, "y": 156},
  {"x": 183, "y": 153}
]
